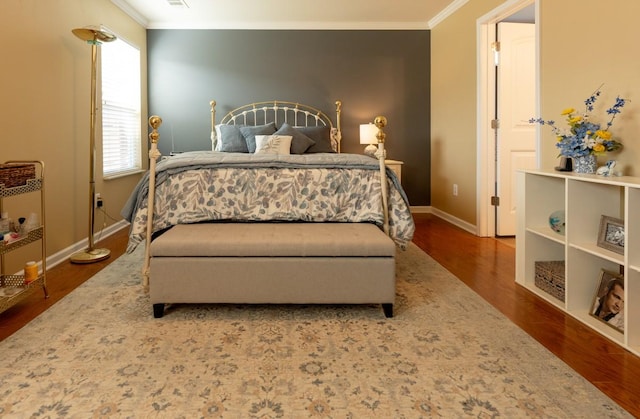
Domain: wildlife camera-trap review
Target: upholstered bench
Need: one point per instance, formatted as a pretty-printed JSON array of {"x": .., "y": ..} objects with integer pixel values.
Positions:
[{"x": 277, "y": 263}]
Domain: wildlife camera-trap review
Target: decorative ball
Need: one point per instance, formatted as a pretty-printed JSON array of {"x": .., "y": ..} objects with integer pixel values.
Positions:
[
  {"x": 380, "y": 121},
  {"x": 556, "y": 221}
]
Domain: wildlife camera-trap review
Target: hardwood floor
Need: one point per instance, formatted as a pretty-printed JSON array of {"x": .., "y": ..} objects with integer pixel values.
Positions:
[
  {"x": 486, "y": 265},
  {"x": 61, "y": 280}
]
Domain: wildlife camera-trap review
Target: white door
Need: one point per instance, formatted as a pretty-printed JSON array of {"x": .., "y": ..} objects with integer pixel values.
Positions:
[{"x": 515, "y": 96}]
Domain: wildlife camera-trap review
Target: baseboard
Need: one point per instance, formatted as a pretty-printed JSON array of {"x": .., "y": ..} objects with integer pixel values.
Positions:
[
  {"x": 64, "y": 254},
  {"x": 455, "y": 221},
  {"x": 420, "y": 209}
]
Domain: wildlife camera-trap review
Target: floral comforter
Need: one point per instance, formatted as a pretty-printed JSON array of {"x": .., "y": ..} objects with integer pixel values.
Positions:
[{"x": 214, "y": 186}]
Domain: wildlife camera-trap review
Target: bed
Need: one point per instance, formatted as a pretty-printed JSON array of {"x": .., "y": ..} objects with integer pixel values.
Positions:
[{"x": 274, "y": 213}]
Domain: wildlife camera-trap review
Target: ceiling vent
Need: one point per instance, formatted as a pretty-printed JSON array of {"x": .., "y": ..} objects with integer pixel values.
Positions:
[{"x": 178, "y": 3}]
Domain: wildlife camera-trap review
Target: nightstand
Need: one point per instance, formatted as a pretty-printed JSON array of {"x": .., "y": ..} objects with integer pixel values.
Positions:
[{"x": 396, "y": 166}]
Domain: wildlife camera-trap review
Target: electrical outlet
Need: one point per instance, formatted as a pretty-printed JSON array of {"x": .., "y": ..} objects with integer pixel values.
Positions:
[
  {"x": 455, "y": 189},
  {"x": 97, "y": 200}
]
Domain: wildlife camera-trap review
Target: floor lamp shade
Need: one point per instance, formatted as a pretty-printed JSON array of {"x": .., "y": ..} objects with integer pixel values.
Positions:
[{"x": 94, "y": 37}]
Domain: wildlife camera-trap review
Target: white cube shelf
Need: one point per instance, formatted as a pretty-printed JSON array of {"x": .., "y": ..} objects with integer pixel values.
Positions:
[{"x": 585, "y": 199}]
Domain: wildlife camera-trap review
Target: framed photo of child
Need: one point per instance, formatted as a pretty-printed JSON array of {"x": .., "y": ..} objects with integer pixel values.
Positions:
[{"x": 608, "y": 302}]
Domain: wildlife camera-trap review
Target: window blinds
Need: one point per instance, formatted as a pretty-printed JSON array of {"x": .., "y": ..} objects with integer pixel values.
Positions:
[{"x": 120, "y": 64}]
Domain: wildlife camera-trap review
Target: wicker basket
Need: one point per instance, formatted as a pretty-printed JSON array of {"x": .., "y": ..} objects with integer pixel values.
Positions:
[
  {"x": 550, "y": 277},
  {"x": 12, "y": 175}
]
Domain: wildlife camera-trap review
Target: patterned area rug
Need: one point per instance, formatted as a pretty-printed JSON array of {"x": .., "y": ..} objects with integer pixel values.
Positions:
[{"x": 100, "y": 353}]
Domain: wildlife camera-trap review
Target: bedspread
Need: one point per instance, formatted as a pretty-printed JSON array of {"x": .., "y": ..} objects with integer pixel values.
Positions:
[{"x": 214, "y": 186}]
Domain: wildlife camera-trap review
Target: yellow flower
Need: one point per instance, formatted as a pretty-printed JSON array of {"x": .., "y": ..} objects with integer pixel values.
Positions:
[
  {"x": 605, "y": 135},
  {"x": 575, "y": 119},
  {"x": 559, "y": 138},
  {"x": 568, "y": 111},
  {"x": 598, "y": 148}
]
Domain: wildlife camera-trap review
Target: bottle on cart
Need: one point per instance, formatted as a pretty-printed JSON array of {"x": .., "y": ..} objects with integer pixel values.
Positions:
[
  {"x": 30, "y": 272},
  {"x": 20, "y": 228},
  {"x": 6, "y": 224},
  {"x": 32, "y": 222}
]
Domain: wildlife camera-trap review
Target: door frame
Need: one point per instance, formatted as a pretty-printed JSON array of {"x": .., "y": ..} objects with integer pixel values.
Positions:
[{"x": 486, "y": 100}]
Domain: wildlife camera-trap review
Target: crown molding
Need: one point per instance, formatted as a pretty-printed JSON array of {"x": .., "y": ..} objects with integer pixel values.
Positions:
[
  {"x": 445, "y": 13},
  {"x": 374, "y": 26},
  {"x": 131, "y": 12}
]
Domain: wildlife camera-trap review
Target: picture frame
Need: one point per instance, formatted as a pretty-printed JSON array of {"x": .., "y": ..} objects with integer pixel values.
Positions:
[
  {"x": 611, "y": 235},
  {"x": 608, "y": 301}
]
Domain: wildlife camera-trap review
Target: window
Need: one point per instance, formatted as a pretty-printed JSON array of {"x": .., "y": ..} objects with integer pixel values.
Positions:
[{"x": 120, "y": 108}]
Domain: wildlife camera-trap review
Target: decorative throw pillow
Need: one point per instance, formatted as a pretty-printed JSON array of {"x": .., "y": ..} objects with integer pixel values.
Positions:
[
  {"x": 249, "y": 132},
  {"x": 215, "y": 146},
  {"x": 273, "y": 144},
  {"x": 230, "y": 139},
  {"x": 321, "y": 135},
  {"x": 299, "y": 142}
]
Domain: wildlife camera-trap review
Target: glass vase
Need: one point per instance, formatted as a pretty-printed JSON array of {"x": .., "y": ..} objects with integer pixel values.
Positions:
[{"x": 585, "y": 164}]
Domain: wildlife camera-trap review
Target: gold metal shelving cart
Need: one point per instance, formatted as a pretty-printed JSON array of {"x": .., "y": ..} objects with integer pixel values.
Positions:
[{"x": 12, "y": 287}]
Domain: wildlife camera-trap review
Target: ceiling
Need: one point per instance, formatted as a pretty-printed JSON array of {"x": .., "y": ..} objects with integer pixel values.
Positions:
[{"x": 288, "y": 14}]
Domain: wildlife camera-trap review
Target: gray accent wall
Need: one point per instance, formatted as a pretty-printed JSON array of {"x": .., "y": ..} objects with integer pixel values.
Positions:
[{"x": 371, "y": 72}]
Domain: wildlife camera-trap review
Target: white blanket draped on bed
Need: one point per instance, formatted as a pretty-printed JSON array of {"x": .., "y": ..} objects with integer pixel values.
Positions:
[{"x": 212, "y": 186}]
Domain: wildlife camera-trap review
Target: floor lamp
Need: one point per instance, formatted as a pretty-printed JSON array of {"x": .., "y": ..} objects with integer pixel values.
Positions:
[{"x": 93, "y": 37}]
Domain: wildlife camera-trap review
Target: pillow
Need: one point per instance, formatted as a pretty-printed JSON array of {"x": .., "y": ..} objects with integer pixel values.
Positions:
[
  {"x": 321, "y": 135},
  {"x": 299, "y": 142},
  {"x": 249, "y": 132},
  {"x": 273, "y": 144},
  {"x": 216, "y": 146},
  {"x": 230, "y": 139}
]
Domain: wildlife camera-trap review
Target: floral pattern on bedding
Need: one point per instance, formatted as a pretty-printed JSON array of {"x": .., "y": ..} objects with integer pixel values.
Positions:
[{"x": 274, "y": 194}]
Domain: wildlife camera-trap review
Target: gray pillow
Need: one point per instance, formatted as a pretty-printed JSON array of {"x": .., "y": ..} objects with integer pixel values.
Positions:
[
  {"x": 299, "y": 142},
  {"x": 231, "y": 139},
  {"x": 249, "y": 133},
  {"x": 321, "y": 135}
]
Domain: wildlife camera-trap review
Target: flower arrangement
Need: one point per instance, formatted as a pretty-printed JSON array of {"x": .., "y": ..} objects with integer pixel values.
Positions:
[{"x": 583, "y": 137}]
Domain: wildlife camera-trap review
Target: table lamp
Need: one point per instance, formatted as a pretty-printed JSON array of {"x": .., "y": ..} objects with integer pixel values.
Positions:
[{"x": 368, "y": 136}]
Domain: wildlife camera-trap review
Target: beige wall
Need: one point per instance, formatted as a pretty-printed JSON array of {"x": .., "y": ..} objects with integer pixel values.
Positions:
[
  {"x": 453, "y": 110},
  {"x": 584, "y": 43},
  {"x": 577, "y": 57},
  {"x": 44, "y": 106}
]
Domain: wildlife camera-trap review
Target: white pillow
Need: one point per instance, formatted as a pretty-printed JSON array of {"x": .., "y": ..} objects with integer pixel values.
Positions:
[
  {"x": 216, "y": 145},
  {"x": 273, "y": 144}
]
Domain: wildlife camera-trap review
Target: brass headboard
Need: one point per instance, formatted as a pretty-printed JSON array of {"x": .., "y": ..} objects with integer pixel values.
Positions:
[{"x": 279, "y": 111}]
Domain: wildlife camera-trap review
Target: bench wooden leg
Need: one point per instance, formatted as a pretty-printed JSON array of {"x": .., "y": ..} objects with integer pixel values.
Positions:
[
  {"x": 158, "y": 310},
  {"x": 388, "y": 310}
]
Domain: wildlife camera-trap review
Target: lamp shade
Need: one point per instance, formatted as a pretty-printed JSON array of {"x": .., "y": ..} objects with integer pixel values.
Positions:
[
  {"x": 368, "y": 134},
  {"x": 93, "y": 34}
]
